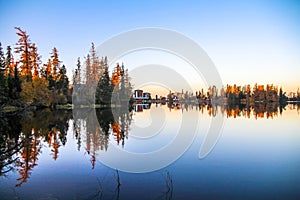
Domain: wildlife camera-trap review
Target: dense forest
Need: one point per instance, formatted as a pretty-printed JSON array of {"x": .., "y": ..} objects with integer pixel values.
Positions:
[{"x": 26, "y": 81}]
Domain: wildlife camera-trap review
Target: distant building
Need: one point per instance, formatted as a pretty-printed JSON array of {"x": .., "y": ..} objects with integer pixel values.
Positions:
[
  {"x": 138, "y": 94},
  {"x": 141, "y": 95},
  {"x": 146, "y": 95}
]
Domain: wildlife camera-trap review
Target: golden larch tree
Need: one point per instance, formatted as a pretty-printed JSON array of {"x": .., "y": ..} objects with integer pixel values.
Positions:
[
  {"x": 35, "y": 61},
  {"x": 48, "y": 69},
  {"x": 28, "y": 157},
  {"x": 23, "y": 48},
  {"x": 55, "y": 63},
  {"x": 116, "y": 75}
]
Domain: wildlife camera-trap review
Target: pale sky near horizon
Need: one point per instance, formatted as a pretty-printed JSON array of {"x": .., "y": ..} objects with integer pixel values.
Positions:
[{"x": 248, "y": 41}]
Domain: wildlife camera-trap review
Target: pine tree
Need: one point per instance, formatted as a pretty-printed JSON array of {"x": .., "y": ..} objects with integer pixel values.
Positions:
[
  {"x": 88, "y": 70},
  {"x": 48, "y": 75},
  {"x": 128, "y": 86},
  {"x": 14, "y": 84},
  {"x": 35, "y": 61},
  {"x": 78, "y": 81},
  {"x": 116, "y": 75},
  {"x": 77, "y": 73},
  {"x": 104, "y": 87},
  {"x": 23, "y": 48},
  {"x": 9, "y": 62},
  {"x": 282, "y": 97},
  {"x": 47, "y": 72},
  {"x": 63, "y": 81},
  {"x": 3, "y": 79},
  {"x": 2, "y": 58},
  {"x": 55, "y": 63},
  {"x": 122, "y": 83},
  {"x": 95, "y": 66}
]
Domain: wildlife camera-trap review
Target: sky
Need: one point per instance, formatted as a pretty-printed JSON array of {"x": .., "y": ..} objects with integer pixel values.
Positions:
[{"x": 255, "y": 41}]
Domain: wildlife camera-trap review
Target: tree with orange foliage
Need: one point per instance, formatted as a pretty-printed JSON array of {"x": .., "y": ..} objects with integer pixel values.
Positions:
[
  {"x": 47, "y": 71},
  {"x": 116, "y": 75},
  {"x": 28, "y": 157},
  {"x": 23, "y": 48},
  {"x": 93, "y": 68},
  {"x": 35, "y": 59},
  {"x": 116, "y": 129},
  {"x": 55, "y": 63}
]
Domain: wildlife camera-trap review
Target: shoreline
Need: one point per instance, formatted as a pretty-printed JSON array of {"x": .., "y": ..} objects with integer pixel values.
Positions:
[{"x": 12, "y": 109}]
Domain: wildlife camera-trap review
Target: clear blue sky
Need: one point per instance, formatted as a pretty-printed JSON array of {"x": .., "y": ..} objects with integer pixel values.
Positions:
[{"x": 249, "y": 41}]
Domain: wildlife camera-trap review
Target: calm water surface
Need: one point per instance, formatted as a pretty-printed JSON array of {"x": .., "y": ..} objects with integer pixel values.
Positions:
[{"x": 57, "y": 155}]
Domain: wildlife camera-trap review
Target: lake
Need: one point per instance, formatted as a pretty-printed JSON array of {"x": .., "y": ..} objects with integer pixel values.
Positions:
[{"x": 152, "y": 152}]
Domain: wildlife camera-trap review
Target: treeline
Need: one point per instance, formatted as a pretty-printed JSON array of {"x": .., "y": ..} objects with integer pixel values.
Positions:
[
  {"x": 26, "y": 81},
  {"x": 93, "y": 84},
  {"x": 259, "y": 93},
  {"x": 245, "y": 94}
]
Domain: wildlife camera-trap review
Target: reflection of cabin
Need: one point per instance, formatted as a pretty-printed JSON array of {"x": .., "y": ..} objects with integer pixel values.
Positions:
[
  {"x": 146, "y": 95},
  {"x": 141, "y": 95},
  {"x": 141, "y": 107},
  {"x": 138, "y": 108}
]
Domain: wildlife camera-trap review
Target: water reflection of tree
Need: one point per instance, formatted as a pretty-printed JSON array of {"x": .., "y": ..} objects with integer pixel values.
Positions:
[
  {"x": 105, "y": 119},
  {"x": 98, "y": 126},
  {"x": 28, "y": 155},
  {"x": 10, "y": 129},
  {"x": 121, "y": 124},
  {"x": 22, "y": 136},
  {"x": 168, "y": 193},
  {"x": 257, "y": 110}
]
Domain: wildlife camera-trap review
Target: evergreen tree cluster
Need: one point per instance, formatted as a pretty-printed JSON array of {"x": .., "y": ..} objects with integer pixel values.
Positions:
[
  {"x": 26, "y": 81},
  {"x": 96, "y": 81}
]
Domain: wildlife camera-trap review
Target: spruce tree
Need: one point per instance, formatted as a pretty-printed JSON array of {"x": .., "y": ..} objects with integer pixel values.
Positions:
[
  {"x": 3, "y": 80},
  {"x": 104, "y": 87},
  {"x": 55, "y": 63},
  {"x": 9, "y": 62},
  {"x": 14, "y": 85},
  {"x": 63, "y": 81}
]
